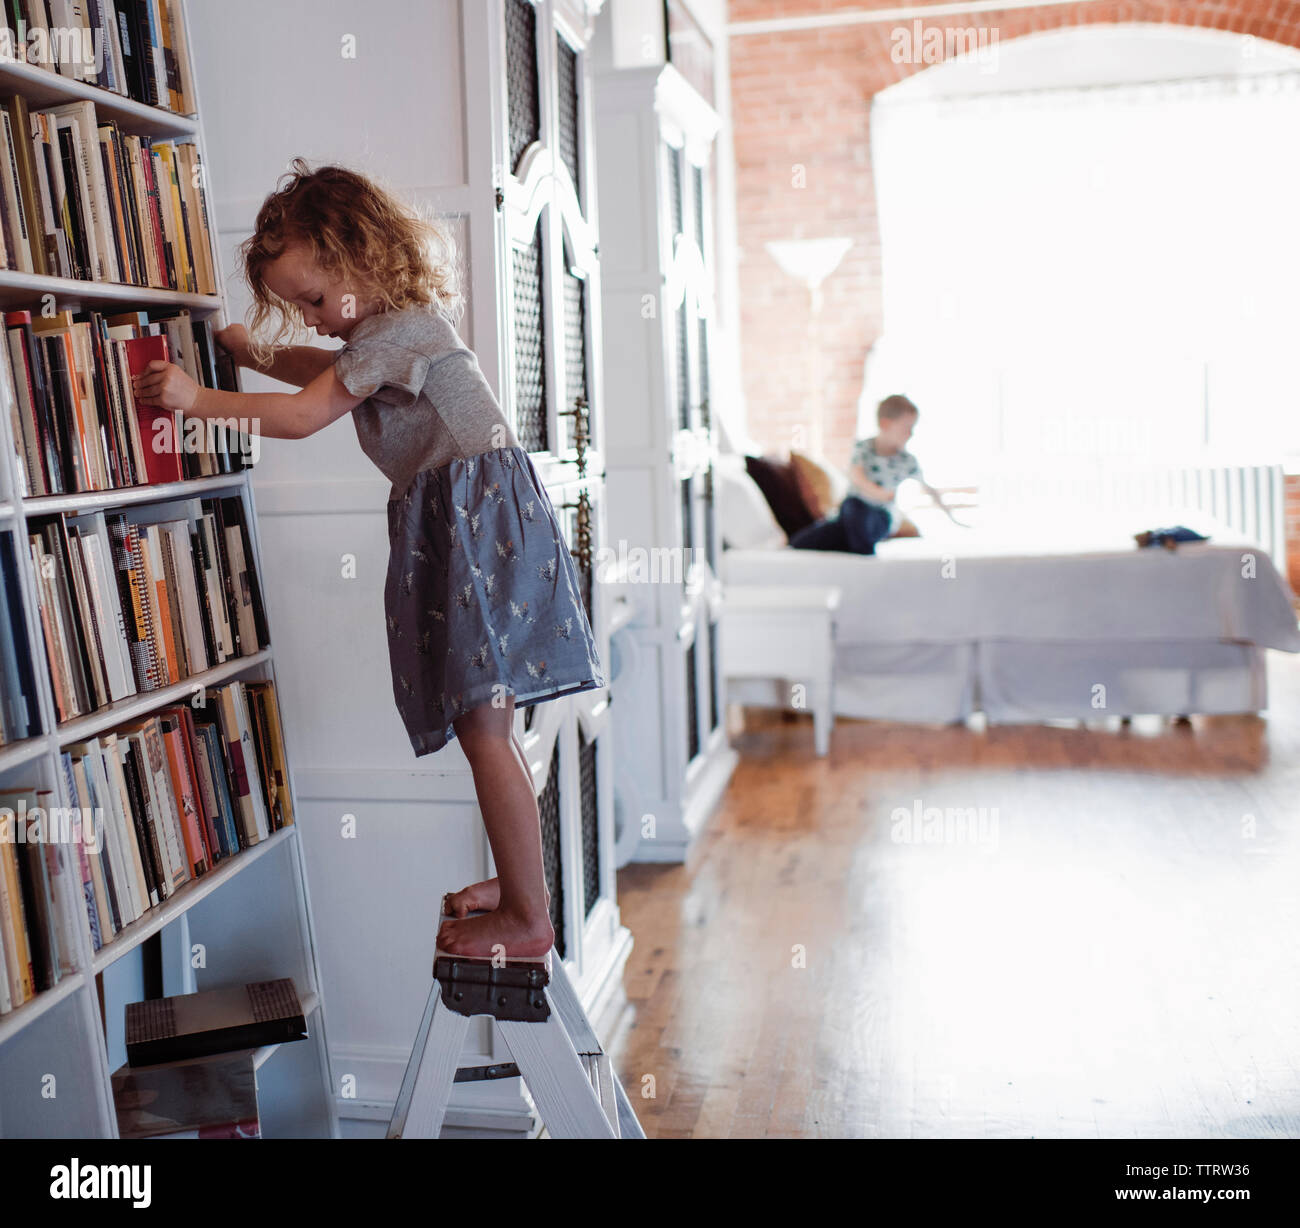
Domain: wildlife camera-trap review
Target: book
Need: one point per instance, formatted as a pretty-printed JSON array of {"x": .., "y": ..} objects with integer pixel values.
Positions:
[
  {"x": 185, "y": 788},
  {"x": 43, "y": 465},
  {"x": 187, "y": 1026},
  {"x": 65, "y": 644},
  {"x": 19, "y": 708},
  {"x": 146, "y": 836},
  {"x": 13, "y": 928},
  {"x": 246, "y": 792},
  {"x": 89, "y": 188},
  {"x": 96, "y": 873},
  {"x": 177, "y": 792},
  {"x": 65, "y": 383},
  {"x": 204, "y": 1097},
  {"x": 37, "y": 905},
  {"x": 274, "y": 760},
  {"x": 89, "y": 531},
  {"x": 161, "y": 804},
  {"x": 130, "y": 607},
  {"x": 81, "y": 198},
  {"x": 19, "y": 131},
  {"x": 159, "y": 428},
  {"x": 17, "y": 220}
]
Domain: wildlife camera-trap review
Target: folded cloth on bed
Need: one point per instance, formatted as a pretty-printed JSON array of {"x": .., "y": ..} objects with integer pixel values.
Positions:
[{"x": 1168, "y": 538}]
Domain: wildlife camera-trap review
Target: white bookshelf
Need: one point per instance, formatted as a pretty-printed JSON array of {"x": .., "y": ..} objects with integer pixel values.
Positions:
[{"x": 250, "y": 917}]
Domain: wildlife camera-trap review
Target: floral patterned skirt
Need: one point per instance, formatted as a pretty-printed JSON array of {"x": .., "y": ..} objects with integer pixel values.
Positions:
[{"x": 481, "y": 596}]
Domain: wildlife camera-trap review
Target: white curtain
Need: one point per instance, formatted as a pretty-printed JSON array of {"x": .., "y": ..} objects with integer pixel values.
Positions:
[{"x": 1106, "y": 273}]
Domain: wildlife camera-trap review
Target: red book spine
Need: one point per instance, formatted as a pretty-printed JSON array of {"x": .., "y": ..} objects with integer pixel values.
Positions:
[{"x": 162, "y": 464}]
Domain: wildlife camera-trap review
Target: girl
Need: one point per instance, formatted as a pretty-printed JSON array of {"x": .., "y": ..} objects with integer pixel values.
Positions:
[{"x": 481, "y": 594}]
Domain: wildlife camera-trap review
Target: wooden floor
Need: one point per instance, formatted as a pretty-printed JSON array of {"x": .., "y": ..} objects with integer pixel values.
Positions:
[{"x": 1114, "y": 951}]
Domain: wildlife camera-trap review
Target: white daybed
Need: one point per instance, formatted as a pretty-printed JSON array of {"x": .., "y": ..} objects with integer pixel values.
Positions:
[{"x": 1027, "y": 623}]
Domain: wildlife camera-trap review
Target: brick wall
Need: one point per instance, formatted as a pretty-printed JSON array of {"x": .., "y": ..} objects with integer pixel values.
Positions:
[
  {"x": 801, "y": 116},
  {"x": 1293, "y": 530}
]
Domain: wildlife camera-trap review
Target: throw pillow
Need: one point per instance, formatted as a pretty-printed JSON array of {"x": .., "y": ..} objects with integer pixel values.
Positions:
[{"x": 775, "y": 478}]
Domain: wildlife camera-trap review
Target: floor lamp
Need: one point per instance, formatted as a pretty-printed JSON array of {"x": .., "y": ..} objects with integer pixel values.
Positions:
[{"x": 812, "y": 261}]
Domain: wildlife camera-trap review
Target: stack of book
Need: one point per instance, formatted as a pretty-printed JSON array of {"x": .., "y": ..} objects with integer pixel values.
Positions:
[
  {"x": 66, "y": 380},
  {"x": 83, "y": 199},
  {"x": 157, "y": 803},
  {"x": 191, "y": 1059},
  {"x": 135, "y": 48},
  {"x": 129, "y": 606},
  {"x": 19, "y": 707}
]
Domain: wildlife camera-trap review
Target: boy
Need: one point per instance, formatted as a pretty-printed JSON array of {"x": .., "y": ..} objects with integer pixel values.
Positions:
[{"x": 878, "y": 467}]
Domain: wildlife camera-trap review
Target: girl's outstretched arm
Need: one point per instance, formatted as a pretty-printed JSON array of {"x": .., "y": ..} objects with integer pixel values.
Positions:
[
  {"x": 290, "y": 364},
  {"x": 277, "y": 415},
  {"x": 294, "y": 364}
]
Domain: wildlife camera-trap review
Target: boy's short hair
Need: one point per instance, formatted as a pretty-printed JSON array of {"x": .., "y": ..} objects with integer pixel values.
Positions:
[{"x": 897, "y": 406}]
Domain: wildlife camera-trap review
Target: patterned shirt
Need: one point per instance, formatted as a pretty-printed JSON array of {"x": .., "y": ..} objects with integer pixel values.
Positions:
[{"x": 887, "y": 471}]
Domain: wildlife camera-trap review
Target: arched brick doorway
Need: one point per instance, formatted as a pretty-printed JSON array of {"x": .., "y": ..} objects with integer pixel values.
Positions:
[{"x": 801, "y": 122}]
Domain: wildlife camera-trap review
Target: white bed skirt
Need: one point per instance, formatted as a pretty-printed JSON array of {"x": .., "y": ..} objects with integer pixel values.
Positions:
[
  {"x": 1020, "y": 681},
  {"x": 1028, "y": 681}
]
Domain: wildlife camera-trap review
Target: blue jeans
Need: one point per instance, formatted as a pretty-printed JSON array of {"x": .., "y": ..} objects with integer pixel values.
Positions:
[{"x": 856, "y": 529}]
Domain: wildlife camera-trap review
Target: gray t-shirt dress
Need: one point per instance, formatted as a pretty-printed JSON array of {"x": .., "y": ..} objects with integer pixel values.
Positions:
[{"x": 481, "y": 594}]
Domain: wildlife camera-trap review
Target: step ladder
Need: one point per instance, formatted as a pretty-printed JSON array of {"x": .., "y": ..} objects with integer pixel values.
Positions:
[{"x": 538, "y": 1016}]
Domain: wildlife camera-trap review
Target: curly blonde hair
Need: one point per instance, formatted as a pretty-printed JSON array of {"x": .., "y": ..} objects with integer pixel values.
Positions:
[{"x": 356, "y": 230}]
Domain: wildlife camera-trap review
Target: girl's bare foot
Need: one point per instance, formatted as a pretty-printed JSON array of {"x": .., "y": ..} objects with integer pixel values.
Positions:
[
  {"x": 500, "y": 932},
  {"x": 477, "y": 897}
]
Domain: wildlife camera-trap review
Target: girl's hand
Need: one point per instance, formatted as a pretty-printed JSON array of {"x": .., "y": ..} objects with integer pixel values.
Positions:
[
  {"x": 163, "y": 385},
  {"x": 234, "y": 339}
]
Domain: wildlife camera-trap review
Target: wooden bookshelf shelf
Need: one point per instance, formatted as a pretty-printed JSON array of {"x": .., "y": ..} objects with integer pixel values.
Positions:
[
  {"x": 126, "y": 496},
  {"x": 131, "y": 936},
  {"x": 20, "y": 289},
  {"x": 43, "y": 88},
  {"x": 82, "y": 727}
]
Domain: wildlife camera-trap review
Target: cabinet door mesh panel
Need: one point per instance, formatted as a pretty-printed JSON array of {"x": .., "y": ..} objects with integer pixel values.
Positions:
[
  {"x": 692, "y": 706},
  {"x": 697, "y": 177},
  {"x": 566, "y": 65},
  {"x": 688, "y": 525},
  {"x": 522, "y": 105},
  {"x": 575, "y": 341},
  {"x": 549, "y": 806},
  {"x": 675, "y": 188},
  {"x": 710, "y": 537},
  {"x": 715, "y": 716},
  {"x": 702, "y": 335},
  {"x": 683, "y": 371},
  {"x": 530, "y": 345},
  {"x": 590, "y": 826}
]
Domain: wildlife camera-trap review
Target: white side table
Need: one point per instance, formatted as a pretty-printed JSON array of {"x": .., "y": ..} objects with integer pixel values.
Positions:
[{"x": 786, "y": 634}]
